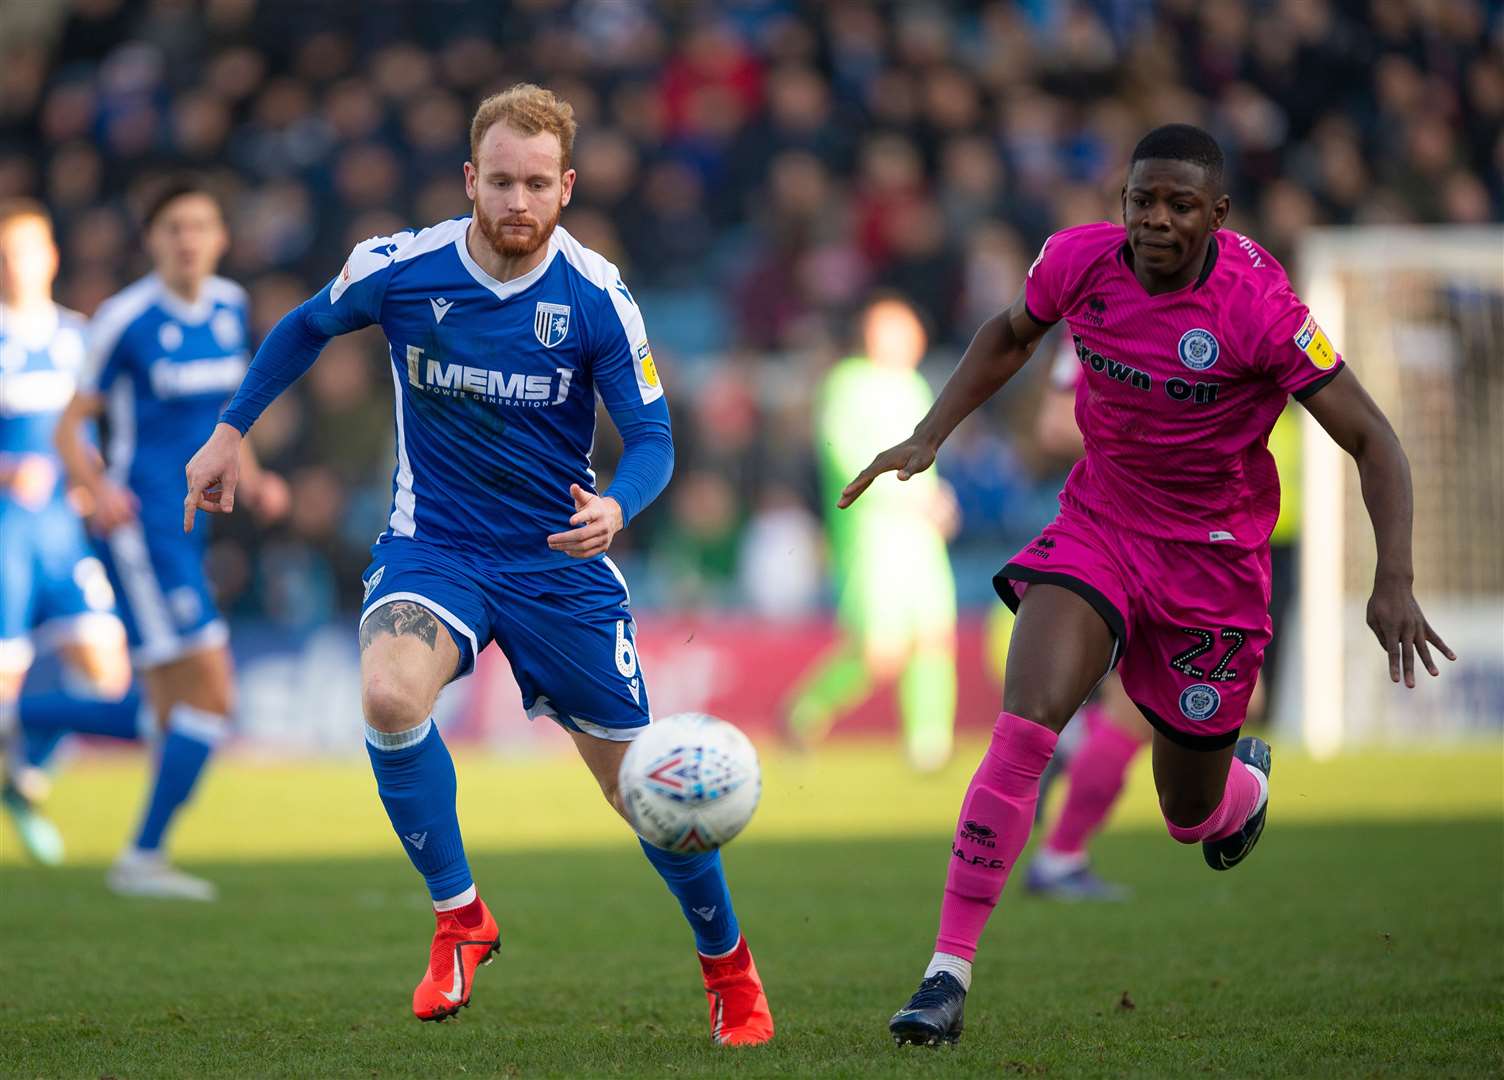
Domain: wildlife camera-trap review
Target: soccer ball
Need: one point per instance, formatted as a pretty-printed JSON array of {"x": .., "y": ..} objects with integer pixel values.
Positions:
[{"x": 690, "y": 783}]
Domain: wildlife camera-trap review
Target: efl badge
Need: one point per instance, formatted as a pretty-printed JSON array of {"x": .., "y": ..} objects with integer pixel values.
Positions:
[
  {"x": 1311, "y": 340},
  {"x": 649, "y": 369},
  {"x": 1198, "y": 349},
  {"x": 550, "y": 323},
  {"x": 1199, "y": 702}
]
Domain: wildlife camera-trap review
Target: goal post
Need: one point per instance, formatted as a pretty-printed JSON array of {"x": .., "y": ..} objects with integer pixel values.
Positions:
[{"x": 1418, "y": 313}]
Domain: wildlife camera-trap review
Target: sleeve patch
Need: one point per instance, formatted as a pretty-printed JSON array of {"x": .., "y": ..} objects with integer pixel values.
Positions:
[
  {"x": 645, "y": 363},
  {"x": 1312, "y": 340}
]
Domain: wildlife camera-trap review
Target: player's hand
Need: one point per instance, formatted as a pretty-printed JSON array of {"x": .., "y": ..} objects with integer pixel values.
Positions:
[
  {"x": 598, "y": 518},
  {"x": 33, "y": 481},
  {"x": 906, "y": 459},
  {"x": 213, "y": 474},
  {"x": 1396, "y": 620},
  {"x": 270, "y": 498},
  {"x": 110, "y": 506}
]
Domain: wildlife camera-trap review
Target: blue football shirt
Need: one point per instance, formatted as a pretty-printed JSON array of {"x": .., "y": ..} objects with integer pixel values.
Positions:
[
  {"x": 165, "y": 368},
  {"x": 495, "y": 383},
  {"x": 41, "y": 355}
]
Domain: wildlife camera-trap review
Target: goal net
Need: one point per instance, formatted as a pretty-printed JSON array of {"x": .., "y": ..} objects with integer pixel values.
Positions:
[{"x": 1418, "y": 313}]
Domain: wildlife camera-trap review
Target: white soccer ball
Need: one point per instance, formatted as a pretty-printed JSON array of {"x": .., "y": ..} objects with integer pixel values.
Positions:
[{"x": 690, "y": 783}]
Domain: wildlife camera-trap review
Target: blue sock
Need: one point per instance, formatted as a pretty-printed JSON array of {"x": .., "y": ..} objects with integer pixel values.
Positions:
[
  {"x": 416, "y": 782},
  {"x": 46, "y": 719},
  {"x": 699, "y": 884},
  {"x": 40, "y": 746},
  {"x": 191, "y": 737},
  {"x": 59, "y": 713}
]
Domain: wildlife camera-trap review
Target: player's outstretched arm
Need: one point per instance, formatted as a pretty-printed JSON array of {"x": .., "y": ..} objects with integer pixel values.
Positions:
[
  {"x": 1357, "y": 425},
  {"x": 995, "y": 354},
  {"x": 288, "y": 351}
]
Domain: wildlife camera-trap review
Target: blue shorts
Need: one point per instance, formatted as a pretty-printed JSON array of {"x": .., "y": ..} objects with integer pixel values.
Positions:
[
  {"x": 568, "y": 631},
  {"x": 51, "y": 585},
  {"x": 164, "y": 599}
]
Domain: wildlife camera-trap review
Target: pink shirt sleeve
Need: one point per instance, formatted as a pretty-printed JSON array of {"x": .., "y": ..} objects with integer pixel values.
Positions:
[
  {"x": 1044, "y": 285},
  {"x": 1294, "y": 351}
]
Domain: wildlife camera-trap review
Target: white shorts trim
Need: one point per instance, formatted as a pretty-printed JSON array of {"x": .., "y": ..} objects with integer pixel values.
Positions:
[
  {"x": 148, "y": 606},
  {"x": 543, "y": 707},
  {"x": 449, "y": 617},
  {"x": 212, "y": 635}
]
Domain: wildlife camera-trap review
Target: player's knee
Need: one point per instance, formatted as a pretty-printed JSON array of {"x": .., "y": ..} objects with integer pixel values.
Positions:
[
  {"x": 885, "y": 658},
  {"x": 1184, "y": 810},
  {"x": 390, "y": 706},
  {"x": 1039, "y": 704}
]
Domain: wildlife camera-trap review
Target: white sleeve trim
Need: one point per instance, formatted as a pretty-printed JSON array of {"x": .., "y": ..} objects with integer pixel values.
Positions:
[
  {"x": 379, "y": 252},
  {"x": 110, "y": 323},
  {"x": 601, "y": 273}
]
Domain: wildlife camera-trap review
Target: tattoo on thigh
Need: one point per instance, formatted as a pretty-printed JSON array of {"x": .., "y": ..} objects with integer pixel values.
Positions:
[{"x": 399, "y": 618}]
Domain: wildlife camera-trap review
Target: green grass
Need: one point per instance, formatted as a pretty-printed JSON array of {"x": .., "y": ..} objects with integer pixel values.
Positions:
[{"x": 1363, "y": 939}]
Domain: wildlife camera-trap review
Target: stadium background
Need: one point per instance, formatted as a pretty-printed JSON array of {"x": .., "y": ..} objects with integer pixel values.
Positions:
[{"x": 755, "y": 167}]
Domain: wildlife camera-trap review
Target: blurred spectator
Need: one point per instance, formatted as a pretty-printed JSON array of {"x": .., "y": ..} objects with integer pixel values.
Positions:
[{"x": 753, "y": 168}]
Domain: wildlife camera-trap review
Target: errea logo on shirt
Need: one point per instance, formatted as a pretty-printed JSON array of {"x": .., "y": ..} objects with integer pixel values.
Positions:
[{"x": 497, "y": 387}]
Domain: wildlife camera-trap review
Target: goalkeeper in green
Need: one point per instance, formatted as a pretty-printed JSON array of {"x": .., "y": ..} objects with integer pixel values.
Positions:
[{"x": 897, "y": 595}]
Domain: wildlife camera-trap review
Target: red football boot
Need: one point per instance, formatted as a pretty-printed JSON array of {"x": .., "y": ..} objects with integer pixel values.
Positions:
[
  {"x": 457, "y": 951},
  {"x": 739, "y": 1014}
]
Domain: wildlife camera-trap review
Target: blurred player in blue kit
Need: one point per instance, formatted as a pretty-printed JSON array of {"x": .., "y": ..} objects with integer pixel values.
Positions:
[
  {"x": 502, "y": 331},
  {"x": 53, "y": 592},
  {"x": 163, "y": 355}
]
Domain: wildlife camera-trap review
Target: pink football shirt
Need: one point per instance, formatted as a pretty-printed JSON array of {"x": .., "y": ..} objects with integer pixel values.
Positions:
[{"x": 1178, "y": 392}]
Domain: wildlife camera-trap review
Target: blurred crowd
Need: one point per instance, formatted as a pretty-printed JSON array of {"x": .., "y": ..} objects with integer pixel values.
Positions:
[{"x": 755, "y": 167}]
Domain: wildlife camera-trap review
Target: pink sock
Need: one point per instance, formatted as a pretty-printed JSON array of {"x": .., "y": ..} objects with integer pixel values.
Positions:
[
  {"x": 1239, "y": 800},
  {"x": 1096, "y": 775},
  {"x": 996, "y": 817}
]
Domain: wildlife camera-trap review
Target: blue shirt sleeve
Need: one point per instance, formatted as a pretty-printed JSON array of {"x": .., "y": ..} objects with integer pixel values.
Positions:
[
  {"x": 105, "y": 356},
  {"x": 647, "y": 459},
  {"x": 351, "y": 301},
  {"x": 627, "y": 379}
]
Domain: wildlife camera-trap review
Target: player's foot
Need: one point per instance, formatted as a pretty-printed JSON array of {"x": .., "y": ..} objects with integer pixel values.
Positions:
[
  {"x": 456, "y": 952},
  {"x": 933, "y": 1015},
  {"x": 139, "y": 873},
  {"x": 739, "y": 1013},
  {"x": 1075, "y": 884},
  {"x": 1227, "y": 852},
  {"x": 39, "y": 836}
]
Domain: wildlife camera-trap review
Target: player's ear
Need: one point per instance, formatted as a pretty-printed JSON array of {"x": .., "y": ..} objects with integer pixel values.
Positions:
[
  {"x": 1123, "y": 203},
  {"x": 1220, "y": 210},
  {"x": 566, "y": 183},
  {"x": 471, "y": 177}
]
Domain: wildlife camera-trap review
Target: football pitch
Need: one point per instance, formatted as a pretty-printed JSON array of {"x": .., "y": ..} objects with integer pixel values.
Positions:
[{"x": 1364, "y": 938}]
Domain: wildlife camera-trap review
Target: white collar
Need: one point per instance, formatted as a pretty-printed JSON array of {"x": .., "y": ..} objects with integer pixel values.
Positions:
[
  {"x": 191, "y": 314},
  {"x": 505, "y": 290}
]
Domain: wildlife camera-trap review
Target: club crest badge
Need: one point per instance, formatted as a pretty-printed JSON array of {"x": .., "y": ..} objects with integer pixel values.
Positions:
[
  {"x": 1198, "y": 349},
  {"x": 550, "y": 323},
  {"x": 1199, "y": 702}
]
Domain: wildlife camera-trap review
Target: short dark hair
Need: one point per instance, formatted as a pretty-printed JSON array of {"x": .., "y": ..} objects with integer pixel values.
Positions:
[
  {"x": 1181, "y": 142},
  {"x": 173, "y": 187}
]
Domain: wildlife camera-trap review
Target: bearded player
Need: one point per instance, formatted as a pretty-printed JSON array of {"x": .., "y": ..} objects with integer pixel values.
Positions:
[
  {"x": 1190, "y": 341},
  {"x": 502, "y": 330}
]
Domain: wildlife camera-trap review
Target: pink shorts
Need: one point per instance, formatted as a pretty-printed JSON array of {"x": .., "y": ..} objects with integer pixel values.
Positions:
[{"x": 1191, "y": 620}]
